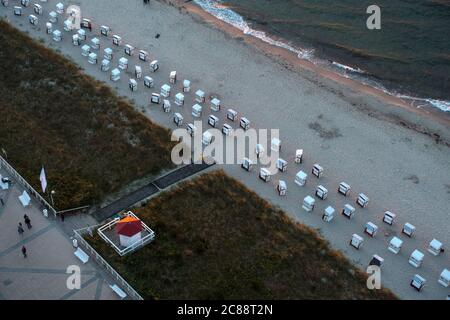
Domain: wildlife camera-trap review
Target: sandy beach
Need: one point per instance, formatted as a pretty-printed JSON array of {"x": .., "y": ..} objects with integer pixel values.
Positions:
[{"x": 395, "y": 153}]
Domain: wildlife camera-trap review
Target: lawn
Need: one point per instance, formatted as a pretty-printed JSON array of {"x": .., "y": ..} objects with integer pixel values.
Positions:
[
  {"x": 90, "y": 141},
  {"x": 215, "y": 239}
]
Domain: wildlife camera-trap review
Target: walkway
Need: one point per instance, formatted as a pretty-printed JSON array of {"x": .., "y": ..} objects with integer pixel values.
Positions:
[
  {"x": 42, "y": 275},
  {"x": 147, "y": 191}
]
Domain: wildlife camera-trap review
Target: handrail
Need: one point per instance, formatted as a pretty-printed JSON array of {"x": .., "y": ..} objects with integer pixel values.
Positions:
[
  {"x": 130, "y": 290},
  {"x": 17, "y": 176},
  {"x": 73, "y": 209}
]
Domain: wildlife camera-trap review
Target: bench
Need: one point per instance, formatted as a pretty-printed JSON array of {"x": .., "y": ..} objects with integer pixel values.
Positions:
[
  {"x": 118, "y": 291},
  {"x": 80, "y": 254},
  {"x": 25, "y": 199}
]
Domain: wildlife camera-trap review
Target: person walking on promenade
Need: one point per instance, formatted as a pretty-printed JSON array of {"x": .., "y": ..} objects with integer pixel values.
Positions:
[
  {"x": 24, "y": 251},
  {"x": 1, "y": 200},
  {"x": 27, "y": 221},
  {"x": 62, "y": 217},
  {"x": 20, "y": 229}
]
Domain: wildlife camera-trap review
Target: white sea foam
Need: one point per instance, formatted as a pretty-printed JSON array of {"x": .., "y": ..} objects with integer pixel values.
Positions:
[
  {"x": 229, "y": 16},
  {"x": 217, "y": 9}
]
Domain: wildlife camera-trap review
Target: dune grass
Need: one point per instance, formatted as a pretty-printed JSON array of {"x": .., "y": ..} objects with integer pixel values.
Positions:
[
  {"x": 90, "y": 141},
  {"x": 215, "y": 239}
]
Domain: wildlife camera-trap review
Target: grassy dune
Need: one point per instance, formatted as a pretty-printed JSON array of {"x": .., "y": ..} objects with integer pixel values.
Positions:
[
  {"x": 90, "y": 141},
  {"x": 215, "y": 239}
]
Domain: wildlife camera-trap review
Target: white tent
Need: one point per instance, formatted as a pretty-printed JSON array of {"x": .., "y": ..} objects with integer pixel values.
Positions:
[
  {"x": 389, "y": 217},
  {"x": 129, "y": 49},
  {"x": 60, "y": 8},
  {"x": 213, "y": 120},
  {"x": 275, "y": 144},
  {"x": 117, "y": 40},
  {"x": 207, "y": 138},
  {"x": 344, "y": 188},
  {"x": 299, "y": 156},
  {"x": 371, "y": 229},
  {"x": 104, "y": 30},
  {"x": 317, "y": 170},
  {"x": 53, "y": 17},
  {"x": 282, "y": 187},
  {"x": 186, "y": 85},
  {"x": 92, "y": 58},
  {"x": 166, "y": 106},
  {"x": 95, "y": 43},
  {"x": 308, "y": 203},
  {"x": 362, "y": 200},
  {"x": 82, "y": 34},
  {"x": 416, "y": 258},
  {"x": 105, "y": 65},
  {"x": 173, "y": 77},
  {"x": 165, "y": 90},
  {"x": 123, "y": 63},
  {"x": 197, "y": 111},
  {"x": 435, "y": 247},
  {"x": 300, "y": 178},
  {"x": 215, "y": 104},
  {"x": 143, "y": 55},
  {"x": 348, "y": 211},
  {"x": 356, "y": 241},
  {"x": 231, "y": 114},
  {"x": 408, "y": 229},
  {"x": 200, "y": 96},
  {"x": 418, "y": 282},
  {"x": 328, "y": 214},
  {"x": 444, "y": 278},
  {"x": 85, "y": 50},
  {"x": 395, "y": 245},
  {"x": 264, "y": 174},
  {"x": 179, "y": 99},
  {"x": 115, "y": 74},
  {"x": 57, "y": 35},
  {"x": 321, "y": 192}
]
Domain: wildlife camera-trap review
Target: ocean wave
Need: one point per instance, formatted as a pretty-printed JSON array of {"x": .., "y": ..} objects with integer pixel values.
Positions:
[
  {"x": 223, "y": 13},
  {"x": 220, "y": 11}
]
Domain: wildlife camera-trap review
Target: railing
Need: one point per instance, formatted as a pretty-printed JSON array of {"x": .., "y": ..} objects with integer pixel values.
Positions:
[
  {"x": 99, "y": 259},
  {"x": 73, "y": 209},
  {"x": 30, "y": 189},
  {"x": 136, "y": 245}
]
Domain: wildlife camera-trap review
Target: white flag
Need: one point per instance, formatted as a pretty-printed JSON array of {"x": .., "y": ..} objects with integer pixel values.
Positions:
[{"x": 43, "y": 180}]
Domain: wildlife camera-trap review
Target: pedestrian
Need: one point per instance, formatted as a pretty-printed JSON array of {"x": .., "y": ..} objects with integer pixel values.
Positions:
[
  {"x": 24, "y": 251},
  {"x": 1, "y": 200},
  {"x": 62, "y": 217},
  {"x": 20, "y": 229},
  {"x": 27, "y": 221}
]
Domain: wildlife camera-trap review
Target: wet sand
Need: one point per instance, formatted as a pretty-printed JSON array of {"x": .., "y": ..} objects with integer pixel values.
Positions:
[{"x": 355, "y": 136}]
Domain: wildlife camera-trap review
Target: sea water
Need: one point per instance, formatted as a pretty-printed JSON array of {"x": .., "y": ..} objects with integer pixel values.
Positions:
[{"x": 409, "y": 57}]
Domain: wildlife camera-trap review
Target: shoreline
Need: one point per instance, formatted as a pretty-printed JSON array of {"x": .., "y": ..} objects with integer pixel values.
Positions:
[
  {"x": 350, "y": 145},
  {"x": 334, "y": 82}
]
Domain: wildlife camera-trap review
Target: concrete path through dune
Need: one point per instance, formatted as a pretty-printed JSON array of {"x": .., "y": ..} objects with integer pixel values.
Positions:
[
  {"x": 148, "y": 190},
  {"x": 399, "y": 169}
]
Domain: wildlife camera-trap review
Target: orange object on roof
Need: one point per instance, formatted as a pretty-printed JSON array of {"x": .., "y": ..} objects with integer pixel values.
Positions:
[{"x": 128, "y": 226}]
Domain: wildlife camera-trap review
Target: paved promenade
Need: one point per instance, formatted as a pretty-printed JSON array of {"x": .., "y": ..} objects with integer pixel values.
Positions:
[{"x": 42, "y": 275}]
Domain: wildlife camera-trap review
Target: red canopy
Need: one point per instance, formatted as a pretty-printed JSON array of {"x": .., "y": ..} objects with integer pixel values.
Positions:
[{"x": 128, "y": 226}]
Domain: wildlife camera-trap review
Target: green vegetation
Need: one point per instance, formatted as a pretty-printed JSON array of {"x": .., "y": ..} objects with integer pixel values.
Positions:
[
  {"x": 215, "y": 239},
  {"x": 90, "y": 141}
]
